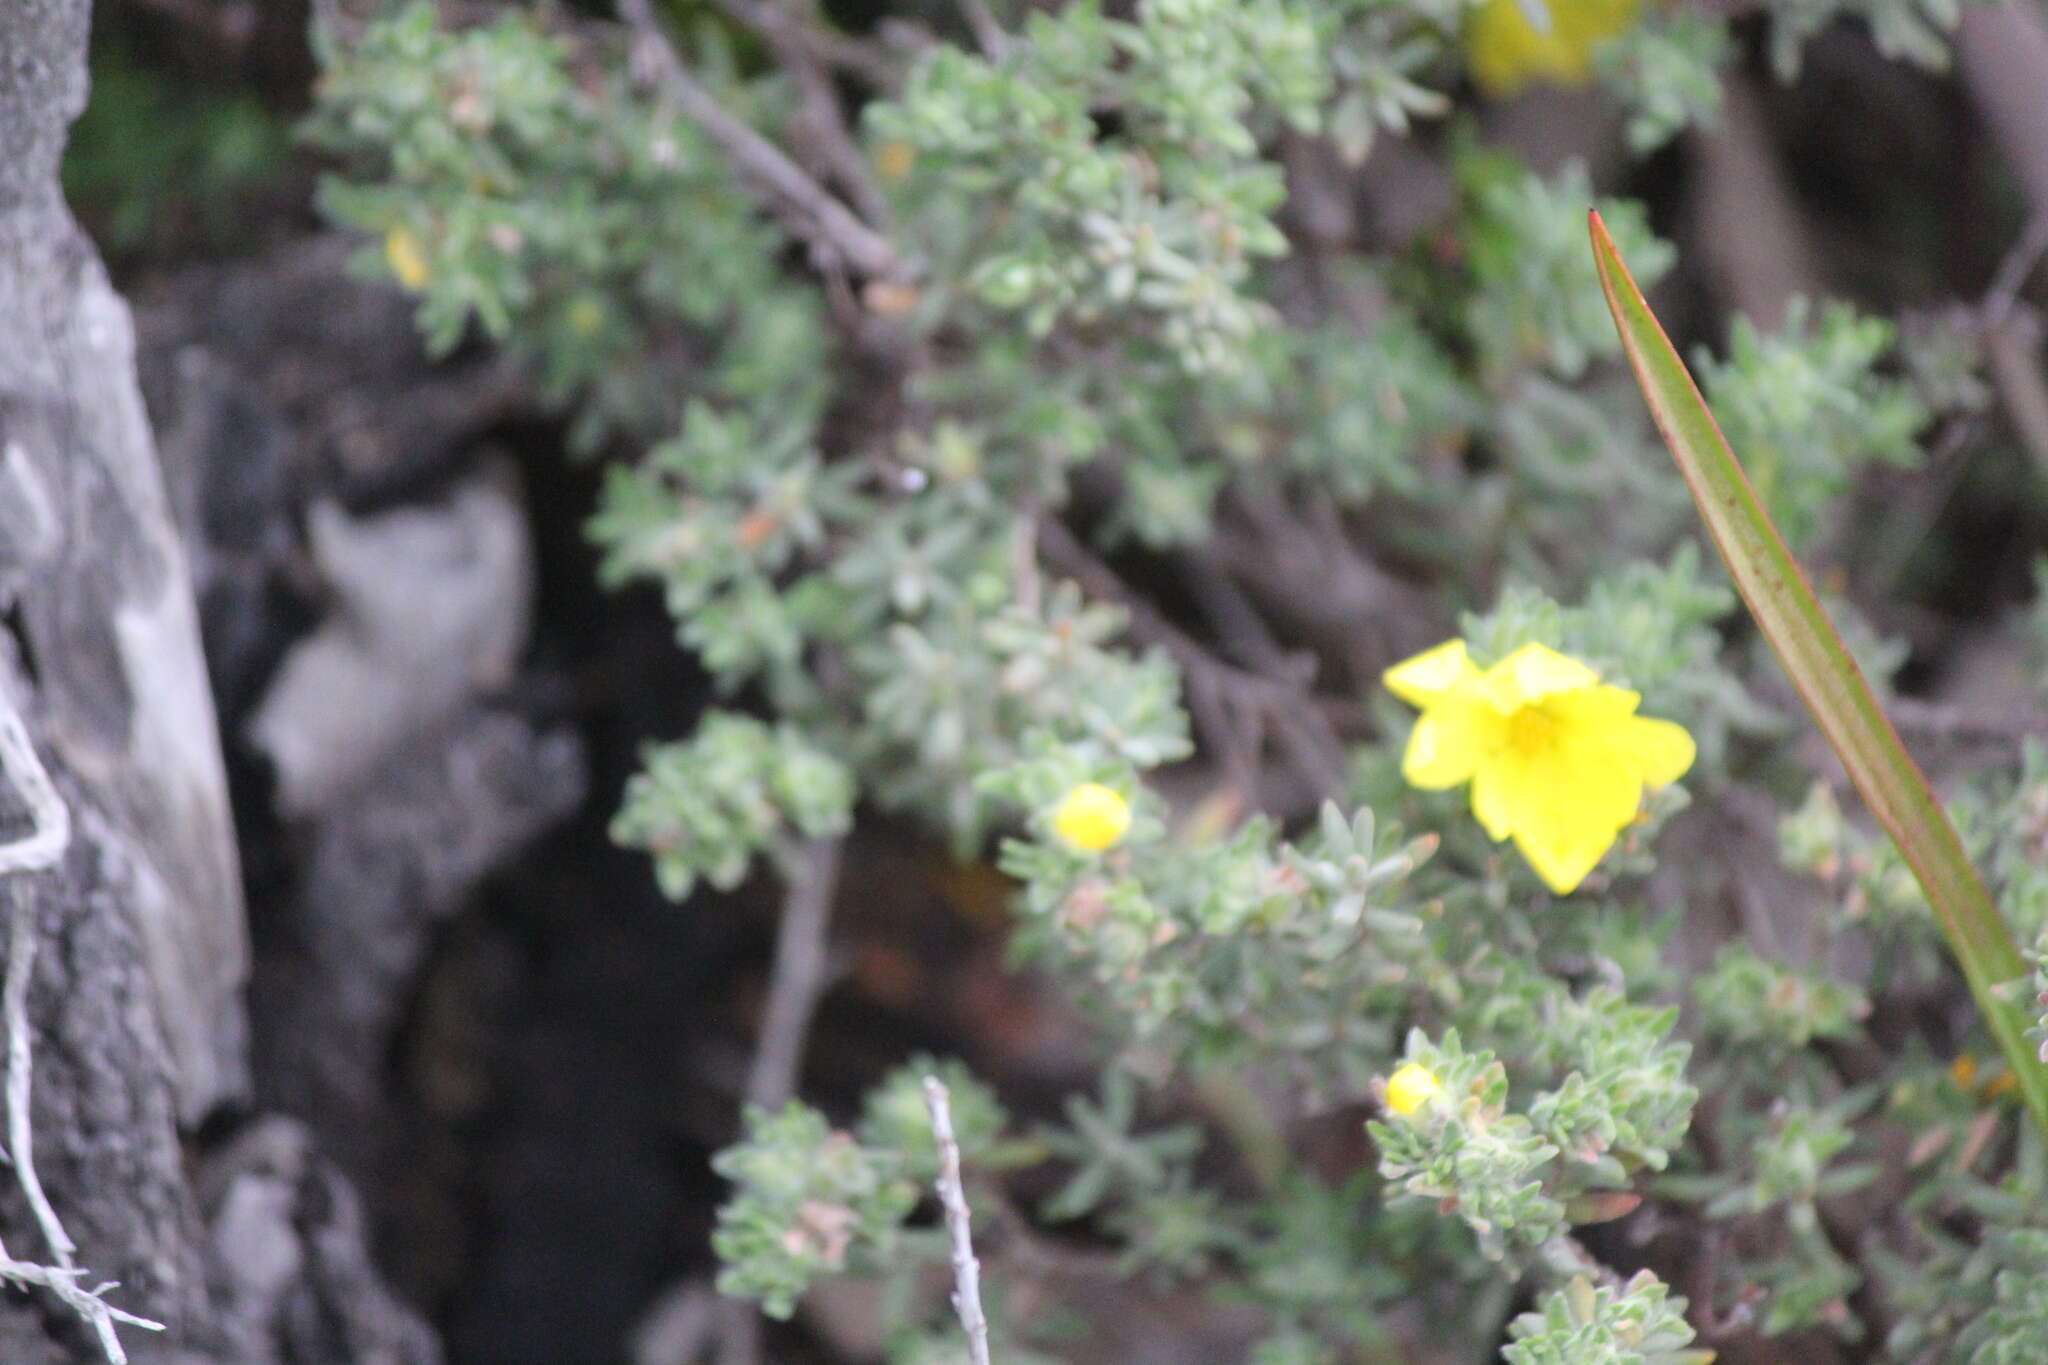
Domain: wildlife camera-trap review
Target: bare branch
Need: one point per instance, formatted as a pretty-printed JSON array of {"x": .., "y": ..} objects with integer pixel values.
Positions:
[
  {"x": 50, "y": 830},
  {"x": 871, "y": 62},
  {"x": 835, "y": 235},
  {"x": 988, "y": 34},
  {"x": 798, "y": 980},
  {"x": 1224, "y": 697},
  {"x": 2017, "y": 264},
  {"x": 49, "y": 835},
  {"x": 959, "y": 1223},
  {"x": 823, "y": 119},
  {"x": 799, "y": 977}
]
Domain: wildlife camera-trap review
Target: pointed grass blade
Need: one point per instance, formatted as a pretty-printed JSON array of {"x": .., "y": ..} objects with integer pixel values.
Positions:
[{"x": 1833, "y": 687}]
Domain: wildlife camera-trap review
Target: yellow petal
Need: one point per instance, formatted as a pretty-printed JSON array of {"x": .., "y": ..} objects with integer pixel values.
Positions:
[
  {"x": 1564, "y": 803},
  {"x": 1449, "y": 741},
  {"x": 1659, "y": 751},
  {"x": 1503, "y": 789},
  {"x": 1563, "y": 866},
  {"x": 1663, "y": 751},
  {"x": 1422, "y": 679},
  {"x": 1532, "y": 673},
  {"x": 1411, "y": 1087},
  {"x": 1602, "y": 704}
]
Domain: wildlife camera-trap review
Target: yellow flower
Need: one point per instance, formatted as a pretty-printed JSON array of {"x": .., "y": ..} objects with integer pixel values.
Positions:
[
  {"x": 1411, "y": 1087},
  {"x": 1091, "y": 817},
  {"x": 407, "y": 261},
  {"x": 1556, "y": 758},
  {"x": 1506, "y": 53}
]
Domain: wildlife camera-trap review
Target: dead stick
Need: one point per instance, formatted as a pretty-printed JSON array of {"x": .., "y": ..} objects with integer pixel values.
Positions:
[{"x": 959, "y": 1223}]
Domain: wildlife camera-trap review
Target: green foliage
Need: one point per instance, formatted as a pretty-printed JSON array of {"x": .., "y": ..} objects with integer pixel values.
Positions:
[
  {"x": 808, "y": 1198},
  {"x": 1805, "y": 409},
  {"x": 1635, "y": 1324},
  {"x": 861, "y": 500},
  {"x": 1376, "y": 53},
  {"x": 1913, "y": 30},
  {"x": 895, "y": 1119},
  {"x": 567, "y": 218},
  {"x": 2014, "y": 1328},
  {"x": 704, "y": 807},
  {"x": 1534, "y": 298},
  {"x": 2039, "y": 1033},
  {"x": 149, "y": 159},
  {"x": 1470, "y": 1153},
  {"x": 1667, "y": 71},
  {"x": 1363, "y": 405},
  {"x": 1156, "y": 227},
  {"x": 1229, "y": 951},
  {"x": 1767, "y": 1010},
  {"x": 1110, "y": 1158}
]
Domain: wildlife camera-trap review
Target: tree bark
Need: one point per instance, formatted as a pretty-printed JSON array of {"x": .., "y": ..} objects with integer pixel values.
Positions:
[{"x": 142, "y": 949}]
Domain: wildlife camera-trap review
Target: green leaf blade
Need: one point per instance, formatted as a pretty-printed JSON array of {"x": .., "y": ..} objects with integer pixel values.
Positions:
[{"x": 1827, "y": 678}]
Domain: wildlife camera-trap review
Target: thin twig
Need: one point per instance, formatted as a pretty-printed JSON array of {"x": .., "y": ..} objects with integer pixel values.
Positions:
[
  {"x": 2018, "y": 389},
  {"x": 1227, "y": 694},
  {"x": 869, "y": 62},
  {"x": 2013, "y": 270},
  {"x": 49, "y": 835},
  {"x": 798, "y": 979},
  {"x": 959, "y": 1224},
  {"x": 50, "y": 829},
  {"x": 988, "y": 34},
  {"x": 823, "y": 119},
  {"x": 834, "y": 233}
]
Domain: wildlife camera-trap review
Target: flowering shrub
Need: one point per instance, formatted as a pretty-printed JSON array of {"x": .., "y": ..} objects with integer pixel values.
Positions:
[{"x": 1023, "y": 460}]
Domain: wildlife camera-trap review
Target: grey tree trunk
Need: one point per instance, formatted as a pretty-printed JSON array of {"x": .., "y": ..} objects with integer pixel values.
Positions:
[{"x": 251, "y": 1254}]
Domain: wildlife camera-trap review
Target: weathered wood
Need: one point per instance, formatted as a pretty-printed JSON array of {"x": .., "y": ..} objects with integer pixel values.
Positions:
[
  {"x": 93, "y": 575},
  {"x": 141, "y": 946},
  {"x": 140, "y": 930}
]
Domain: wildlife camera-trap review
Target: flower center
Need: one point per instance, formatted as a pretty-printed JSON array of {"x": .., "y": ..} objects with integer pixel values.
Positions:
[{"x": 1531, "y": 729}]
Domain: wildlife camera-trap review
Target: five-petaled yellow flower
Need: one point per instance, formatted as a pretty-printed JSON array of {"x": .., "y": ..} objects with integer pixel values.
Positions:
[
  {"x": 1410, "y": 1087},
  {"x": 1556, "y": 758},
  {"x": 1091, "y": 817}
]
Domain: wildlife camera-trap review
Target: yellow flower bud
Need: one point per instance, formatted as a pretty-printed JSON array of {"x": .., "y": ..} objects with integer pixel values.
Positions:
[
  {"x": 407, "y": 261},
  {"x": 1411, "y": 1087},
  {"x": 1091, "y": 817}
]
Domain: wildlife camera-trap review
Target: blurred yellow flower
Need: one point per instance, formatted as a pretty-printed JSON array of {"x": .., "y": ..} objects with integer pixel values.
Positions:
[
  {"x": 1411, "y": 1087},
  {"x": 1557, "y": 759},
  {"x": 1506, "y": 53},
  {"x": 1091, "y": 817},
  {"x": 1963, "y": 1071},
  {"x": 407, "y": 261},
  {"x": 894, "y": 160}
]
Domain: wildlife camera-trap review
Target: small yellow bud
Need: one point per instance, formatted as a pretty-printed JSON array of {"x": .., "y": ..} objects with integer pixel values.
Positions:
[
  {"x": 1091, "y": 817},
  {"x": 407, "y": 261},
  {"x": 1411, "y": 1087}
]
